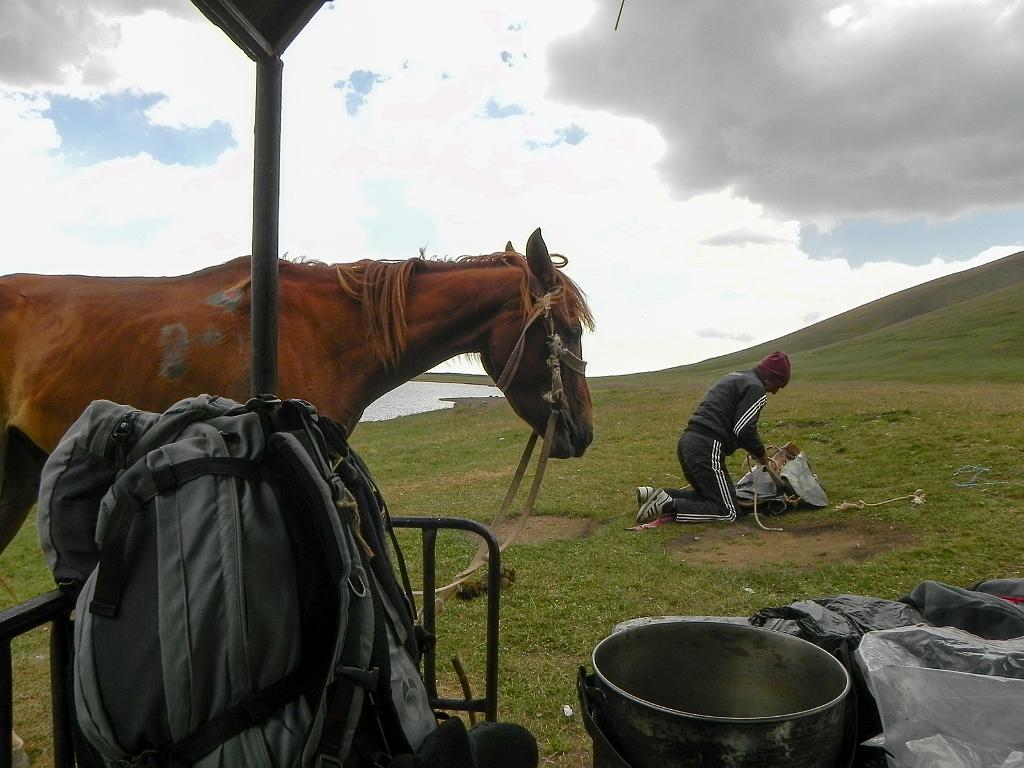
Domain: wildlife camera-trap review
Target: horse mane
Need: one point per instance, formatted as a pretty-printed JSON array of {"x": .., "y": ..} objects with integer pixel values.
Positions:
[{"x": 379, "y": 286}]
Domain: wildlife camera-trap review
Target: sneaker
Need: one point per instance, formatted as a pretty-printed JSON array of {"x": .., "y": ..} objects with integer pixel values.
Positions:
[
  {"x": 652, "y": 508},
  {"x": 643, "y": 493}
]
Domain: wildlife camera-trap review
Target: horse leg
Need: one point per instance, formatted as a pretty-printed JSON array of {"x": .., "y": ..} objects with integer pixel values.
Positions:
[{"x": 20, "y": 468}]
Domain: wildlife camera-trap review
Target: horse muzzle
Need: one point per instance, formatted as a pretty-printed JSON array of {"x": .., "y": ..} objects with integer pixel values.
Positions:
[{"x": 571, "y": 440}]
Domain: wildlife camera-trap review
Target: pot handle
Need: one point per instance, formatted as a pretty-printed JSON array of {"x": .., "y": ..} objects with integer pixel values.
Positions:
[{"x": 589, "y": 696}]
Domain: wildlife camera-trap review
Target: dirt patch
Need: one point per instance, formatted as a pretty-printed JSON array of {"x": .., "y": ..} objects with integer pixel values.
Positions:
[
  {"x": 539, "y": 530},
  {"x": 806, "y": 542}
]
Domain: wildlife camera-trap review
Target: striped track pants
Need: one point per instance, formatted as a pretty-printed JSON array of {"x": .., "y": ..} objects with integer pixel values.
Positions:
[{"x": 712, "y": 495}]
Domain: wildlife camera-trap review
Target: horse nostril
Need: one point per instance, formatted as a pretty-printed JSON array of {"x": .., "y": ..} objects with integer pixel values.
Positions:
[
  {"x": 580, "y": 439},
  {"x": 583, "y": 443}
]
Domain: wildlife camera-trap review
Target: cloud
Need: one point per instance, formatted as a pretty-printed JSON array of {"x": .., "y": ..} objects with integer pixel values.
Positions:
[
  {"x": 43, "y": 44},
  {"x": 873, "y": 108},
  {"x": 393, "y": 216},
  {"x": 742, "y": 237},
  {"x": 424, "y": 160},
  {"x": 714, "y": 333}
]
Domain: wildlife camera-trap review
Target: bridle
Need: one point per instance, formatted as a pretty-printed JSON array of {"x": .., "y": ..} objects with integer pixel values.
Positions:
[{"x": 558, "y": 355}]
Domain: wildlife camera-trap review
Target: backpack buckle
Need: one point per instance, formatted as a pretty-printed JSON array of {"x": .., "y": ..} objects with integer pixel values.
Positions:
[
  {"x": 262, "y": 402},
  {"x": 367, "y": 678},
  {"x": 308, "y": 406},
  {"x": 425, "y": 641}
]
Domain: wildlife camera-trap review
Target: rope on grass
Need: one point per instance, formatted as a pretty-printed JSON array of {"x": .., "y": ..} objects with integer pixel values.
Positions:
[
  {"x": 976, "y": 471},
  {"x": 916, "y": 498},
  {"x": 8, "y": 588}
]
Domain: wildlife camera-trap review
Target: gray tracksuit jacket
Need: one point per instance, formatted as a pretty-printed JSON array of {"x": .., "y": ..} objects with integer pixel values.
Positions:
[{"x": 730, "y": 409}]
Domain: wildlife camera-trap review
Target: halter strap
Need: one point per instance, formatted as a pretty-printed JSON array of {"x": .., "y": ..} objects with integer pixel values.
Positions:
[
  {"x": 563, "y": 353},
  {"x": 442, "y": 594},
  {"x": 541, "y": 307},
  {"x": 559, "y": 353}
]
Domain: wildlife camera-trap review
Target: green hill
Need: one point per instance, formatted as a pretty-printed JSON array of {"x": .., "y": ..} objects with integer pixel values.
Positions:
[{"x": 963, "y": 327}]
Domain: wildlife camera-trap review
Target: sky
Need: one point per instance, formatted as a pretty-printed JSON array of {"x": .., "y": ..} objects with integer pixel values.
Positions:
[{"x": 718, "y": 173}]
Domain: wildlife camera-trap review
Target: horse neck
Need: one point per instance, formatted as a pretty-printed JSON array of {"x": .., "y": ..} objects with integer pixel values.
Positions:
[
  {"x": 448, "y": 312},
  {"x": 455, "y": 312}
]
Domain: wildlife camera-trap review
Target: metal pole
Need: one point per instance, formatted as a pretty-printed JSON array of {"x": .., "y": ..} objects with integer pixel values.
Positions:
[
  {"x": 430, "y": 607},
  {"x": 6, "y": 705},
  {"x": 61, "y": 659},
  {"x": 266, "y": 199}
]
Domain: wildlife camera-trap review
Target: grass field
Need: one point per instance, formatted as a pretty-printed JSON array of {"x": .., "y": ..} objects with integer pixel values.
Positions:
[
  {"x": 866, "y": 441},
  {"x": 869, "y": 441},
  {"x": 888, "y": 423}
]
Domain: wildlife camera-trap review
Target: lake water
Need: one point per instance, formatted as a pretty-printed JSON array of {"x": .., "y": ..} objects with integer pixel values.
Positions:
[{"x": 421, "y": 396}]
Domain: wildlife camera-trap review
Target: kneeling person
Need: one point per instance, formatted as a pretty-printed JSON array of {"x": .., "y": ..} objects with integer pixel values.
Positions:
[{"x": 725, "y": 420}]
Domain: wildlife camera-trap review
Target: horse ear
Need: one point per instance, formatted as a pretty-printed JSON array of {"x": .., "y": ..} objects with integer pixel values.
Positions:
[
  {"x": 509, "y": 248},
  {"x": 539, "y": 260}
]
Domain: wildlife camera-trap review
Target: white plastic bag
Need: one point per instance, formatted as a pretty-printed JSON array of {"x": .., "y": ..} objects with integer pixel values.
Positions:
[{"x": 946, "y": 698}]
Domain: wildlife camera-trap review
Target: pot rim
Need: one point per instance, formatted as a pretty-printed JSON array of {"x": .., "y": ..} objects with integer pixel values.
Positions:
[{"x": 717, "y": 718}]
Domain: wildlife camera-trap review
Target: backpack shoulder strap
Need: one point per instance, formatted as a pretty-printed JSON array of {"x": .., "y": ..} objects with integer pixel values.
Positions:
[
  {"x": 137, "y": 486},
  {"x": 247, "y": 714}
]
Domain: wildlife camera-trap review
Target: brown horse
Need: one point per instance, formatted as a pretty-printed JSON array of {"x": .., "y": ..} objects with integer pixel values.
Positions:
[{"x": 347, "y": 334}]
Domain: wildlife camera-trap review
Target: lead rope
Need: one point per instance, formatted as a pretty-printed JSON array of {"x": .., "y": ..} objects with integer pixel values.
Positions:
[
  {"x": 917, "y": 498},
  {"x": 556, "y": 353},
  {"x": 443, "y": 594},
  {"x": 757, "y": 519}
]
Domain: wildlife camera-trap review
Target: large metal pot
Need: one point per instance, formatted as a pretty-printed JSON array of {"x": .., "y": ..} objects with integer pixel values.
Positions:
[{"x": 676, "y": 694}]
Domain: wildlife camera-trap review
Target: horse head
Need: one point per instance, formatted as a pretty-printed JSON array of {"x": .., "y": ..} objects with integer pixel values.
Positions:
[{"x": 538, "y": 363}]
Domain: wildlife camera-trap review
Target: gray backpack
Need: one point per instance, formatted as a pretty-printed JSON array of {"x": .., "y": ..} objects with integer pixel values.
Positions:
[{"x": 236, "y": 602}]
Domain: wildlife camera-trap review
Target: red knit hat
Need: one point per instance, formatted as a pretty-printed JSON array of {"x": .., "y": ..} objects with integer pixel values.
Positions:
[{"x": 775, "y": 369}]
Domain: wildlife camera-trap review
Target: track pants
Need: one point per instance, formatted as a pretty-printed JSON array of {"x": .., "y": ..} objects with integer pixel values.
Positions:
[{"x": 712, "y": 495}]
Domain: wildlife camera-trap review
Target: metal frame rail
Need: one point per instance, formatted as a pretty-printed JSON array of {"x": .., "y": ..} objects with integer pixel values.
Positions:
[
  {"x": 429, "y": 527},
  {"x": 55, "y": 608}
]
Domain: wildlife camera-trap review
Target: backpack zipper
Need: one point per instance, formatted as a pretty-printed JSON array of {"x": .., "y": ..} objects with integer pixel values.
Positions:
[{"x": 121, "y": 437}]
